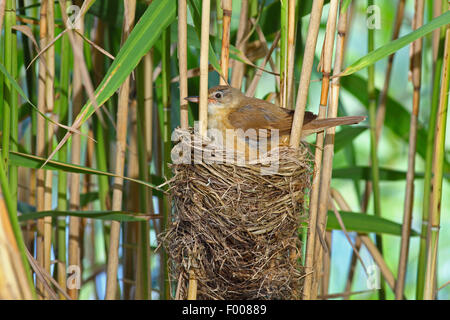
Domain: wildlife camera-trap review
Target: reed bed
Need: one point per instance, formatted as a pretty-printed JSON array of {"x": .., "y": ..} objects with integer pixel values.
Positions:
[{"x": 92, "y": 204}]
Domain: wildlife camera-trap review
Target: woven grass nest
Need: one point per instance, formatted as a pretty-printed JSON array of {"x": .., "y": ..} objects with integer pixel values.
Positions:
[{"x": 236, "y": 228}]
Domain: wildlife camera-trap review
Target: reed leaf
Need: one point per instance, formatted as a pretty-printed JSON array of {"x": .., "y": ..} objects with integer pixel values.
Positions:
[
  {"x": 396, "y": 45},
  {"x": 30, "y": 161},
  {"x": 363, "y": 223},
  {"x": 346, "y": 136},
  {"x": 194, "y": 6},
  {"x": 363, "y": 173},
  {"x": 157, "y": 17},
  {"x": 398, "y": 121},
  {"x": 120, "y": 216}
]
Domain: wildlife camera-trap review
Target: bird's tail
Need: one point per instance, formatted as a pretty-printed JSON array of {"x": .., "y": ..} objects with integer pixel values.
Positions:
[{"x": 318, "y": 125}]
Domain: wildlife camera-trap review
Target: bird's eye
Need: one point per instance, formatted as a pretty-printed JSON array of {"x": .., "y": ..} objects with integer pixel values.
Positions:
[{"x": 218, "y": 95}]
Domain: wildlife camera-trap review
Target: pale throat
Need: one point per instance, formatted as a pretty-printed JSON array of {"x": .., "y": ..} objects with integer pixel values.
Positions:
[{"x": 216, "y": 112}]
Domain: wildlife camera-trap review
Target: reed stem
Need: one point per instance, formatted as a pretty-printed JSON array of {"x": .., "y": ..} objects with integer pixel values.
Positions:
[
  {"x": 40, "y": 143},
  {"x": 318, "y": 205},
  {"x": 225, "y": 52},
  {"x": 182, "y": 61},
  {"x": 430, "y": 291},
  {"x": 166, "y": 127},
  {"x": 122, "y": 123},
  {"x": 438, "y": 53},
  {"x": 381, "y": 112},
  {"x": 297, "y": 124},
  {"x": 371, "y": 92},
  {"x": 305, "y": 76},
  {"x": 63, "y": 112},
  {"x": 416, "y": 65},
  {"x": 204, "y": 46},
  {"x": 328, "y": 151},
  {"x": 238, "y": 67}
]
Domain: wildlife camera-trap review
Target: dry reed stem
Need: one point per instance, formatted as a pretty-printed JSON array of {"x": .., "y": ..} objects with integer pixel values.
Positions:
[
  {"x": 328, "y": 151},
  {"x": 325, "y": 280},
  {"x": 131, "y": 229},
  {"x": 75, "y": 158},
  {"x": 381, "y": 109},
  {"x": 84, "y": 73},
  {"x": 253, "y": 85},
  {"x": 2, "y": 12},
  {"x": 43, "y": 276},
  {"x": 344, "y": 294},
  {"x": 40, "y": 143},
  {"x": 203, "y": 105},
  {"x": 438, "y": 159},
  {"x": 122, "y": 120},
  {"x": 182, "y": 62},
  {"x": 192, "y": 286},
  {"x": 13, "y": 283},
  {"x": 297, "y": 124},
  {"x": 318, "y": 199},
  {"x": 238, "y": 67},
  {"x": 253, "y": 55},
  {"x": 148, "y": 134},
  {"x": 305, "y": 76},
  {"x": 371, "y": 247},
  {"x": 380, "y": 116},
  {"x": 416, "y": 65},
  {"x": 49, "y": 96},
  {"x": 437, "y": 11},
  {"x": 225, "y": 52},
  {"x": 204, "y": 47},
  {"x": 289, "y": 98}
]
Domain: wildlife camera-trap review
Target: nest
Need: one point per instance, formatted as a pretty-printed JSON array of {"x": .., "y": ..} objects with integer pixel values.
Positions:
[{"x": 236, "y": 227}]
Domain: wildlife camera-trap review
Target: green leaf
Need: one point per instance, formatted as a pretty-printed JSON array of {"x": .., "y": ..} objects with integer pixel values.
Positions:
[
  {"x": 193, "y": 36},
  {"x": 270, "y": 17},
  {"x": 364, "y": 173},
  {"x": 399, "y": 117},
  {"x": 30, "y": 161},
  {"x": 120, "y": 216},
  {"x": 345, "y": 5},
  {"x": 194, "y": 6},
  {"x": 363, "y": 223},
  {"x": 397, "y": 44},
  {"x": 346, "y": 136},
  {"x": 16, "y": 86},
  {"x": 157, "y": 17}
]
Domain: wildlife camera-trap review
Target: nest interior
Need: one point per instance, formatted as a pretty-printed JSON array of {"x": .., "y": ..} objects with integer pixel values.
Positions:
[{"x": 236, "y": 229}]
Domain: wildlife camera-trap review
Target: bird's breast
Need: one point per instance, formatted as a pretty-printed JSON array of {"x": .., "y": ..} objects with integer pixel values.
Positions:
[{"x": 218, "y": 117}]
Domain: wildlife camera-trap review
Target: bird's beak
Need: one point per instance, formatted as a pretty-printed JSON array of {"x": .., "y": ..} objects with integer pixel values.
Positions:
[{"x": 194, "y": 99}]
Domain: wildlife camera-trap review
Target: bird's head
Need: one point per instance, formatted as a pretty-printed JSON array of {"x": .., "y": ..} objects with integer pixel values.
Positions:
[{"x": 221, "y": 96}]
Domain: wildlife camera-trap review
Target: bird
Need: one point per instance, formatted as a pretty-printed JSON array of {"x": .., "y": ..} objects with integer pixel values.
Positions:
[{"x": 229, "y": 110}]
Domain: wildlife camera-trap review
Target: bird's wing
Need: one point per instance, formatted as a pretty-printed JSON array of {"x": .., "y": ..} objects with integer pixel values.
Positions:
[{"x": 264, "y": 116}]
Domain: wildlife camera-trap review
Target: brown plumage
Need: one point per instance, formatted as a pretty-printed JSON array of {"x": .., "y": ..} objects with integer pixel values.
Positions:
[{"x": 229, "y": 108}]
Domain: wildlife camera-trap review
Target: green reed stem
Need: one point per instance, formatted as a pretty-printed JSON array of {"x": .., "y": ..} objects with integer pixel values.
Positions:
[
  {"x": 11, "y": 205},
  {"x": 430, "y": 291},
  {"x": 63, "y": 113},
  {"x": 166, "y": 128},
  {"x": 284, "y": 51},
  {"x": 145, "y": 194},
  {"x": 421, "y": 263},
  {"x": 371, "y": 92},
  {"x": 10, "y": 107}
]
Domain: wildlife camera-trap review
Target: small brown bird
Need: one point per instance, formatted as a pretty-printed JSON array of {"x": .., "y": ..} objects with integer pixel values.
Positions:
[{"x": 229, "y": 108}]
